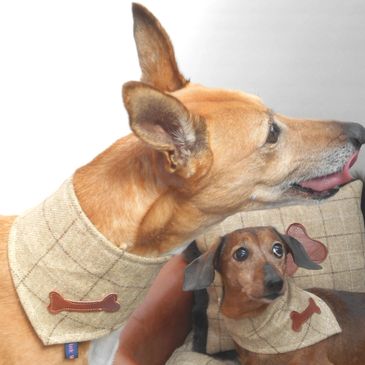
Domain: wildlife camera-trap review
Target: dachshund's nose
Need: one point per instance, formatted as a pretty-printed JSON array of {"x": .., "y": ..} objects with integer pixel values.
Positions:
[
  {"x": 355, "y": 132},
  {"x": 273, "y": 282}
]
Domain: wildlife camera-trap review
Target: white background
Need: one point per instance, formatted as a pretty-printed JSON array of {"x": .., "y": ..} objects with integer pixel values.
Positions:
[{"x": 62, "y": 65}]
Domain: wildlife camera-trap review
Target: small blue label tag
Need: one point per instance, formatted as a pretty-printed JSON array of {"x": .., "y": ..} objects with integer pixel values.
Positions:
[{"x": 71, "y": 350}]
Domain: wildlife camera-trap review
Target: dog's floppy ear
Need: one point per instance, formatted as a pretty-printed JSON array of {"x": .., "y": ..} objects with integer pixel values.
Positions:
[
  {"x": 165, "y": 124},
  {"x": 300, "y": 255},
  {"x": 199, "y": 274},
  {"x": 155, "y": 52}
]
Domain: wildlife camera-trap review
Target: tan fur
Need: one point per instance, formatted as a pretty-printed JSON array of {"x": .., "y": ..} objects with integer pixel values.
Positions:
[
  {"x": 247, "y": 283},
  {"x": 171, "y": 209},
  {"x": 200, "y": 156}
]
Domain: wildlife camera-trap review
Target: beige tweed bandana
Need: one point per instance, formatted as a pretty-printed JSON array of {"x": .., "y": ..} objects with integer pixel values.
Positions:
[
  {"x": 272, "y": 331},
  {"x": 55, "y": 247}
]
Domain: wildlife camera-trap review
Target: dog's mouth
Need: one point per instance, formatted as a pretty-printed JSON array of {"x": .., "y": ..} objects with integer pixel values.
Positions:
[{"x": 323, "y": 187}]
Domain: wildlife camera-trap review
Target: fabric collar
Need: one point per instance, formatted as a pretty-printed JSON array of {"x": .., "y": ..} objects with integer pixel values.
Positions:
[
  {"x": 55, "y": 247},
  {"x": 277, "y": 330}
]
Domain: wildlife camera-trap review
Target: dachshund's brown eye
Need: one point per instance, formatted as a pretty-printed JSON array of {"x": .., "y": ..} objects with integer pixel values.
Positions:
[
  {"x": 278, "y": 250},
  {"x": 273, "y": 135},
  {"x": 241, "y": 254}
]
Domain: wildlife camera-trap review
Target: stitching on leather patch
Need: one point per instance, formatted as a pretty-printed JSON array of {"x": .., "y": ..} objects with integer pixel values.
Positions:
[{"x": 59, "y": 304}]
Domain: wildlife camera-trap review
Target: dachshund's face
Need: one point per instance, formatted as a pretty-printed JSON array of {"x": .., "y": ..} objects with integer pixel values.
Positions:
[
  {"x": 251, "y": 261},
  {"x": 254, "y": 260}
]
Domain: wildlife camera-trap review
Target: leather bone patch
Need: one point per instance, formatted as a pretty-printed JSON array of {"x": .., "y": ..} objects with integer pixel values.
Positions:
[
  {"x": 59, "y": 304},
  {"x": 300, "y": 318}
]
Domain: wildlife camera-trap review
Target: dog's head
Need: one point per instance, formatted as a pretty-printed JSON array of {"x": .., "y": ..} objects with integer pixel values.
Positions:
[
  {"x": 225, "y": 150},
  {"x": 252, "y": 263}
]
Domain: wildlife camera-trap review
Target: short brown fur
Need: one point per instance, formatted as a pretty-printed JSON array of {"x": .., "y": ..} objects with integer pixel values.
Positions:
[
  {"x": 244, "y": 291},
  {"x": 197, "y": 155}
]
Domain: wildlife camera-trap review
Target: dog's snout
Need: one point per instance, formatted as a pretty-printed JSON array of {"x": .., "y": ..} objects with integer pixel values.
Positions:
[
  {"x": 275, "y": 285},
  {"x": 272, "y": 280},
  {"x": 355, "y": 133}
]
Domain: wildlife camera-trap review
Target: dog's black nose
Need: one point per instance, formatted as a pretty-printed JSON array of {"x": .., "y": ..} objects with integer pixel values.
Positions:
[
  {"x": 272, "y": 280},
  {"x": 275, "y": 285},
  {"x": 355, "y": 133}
]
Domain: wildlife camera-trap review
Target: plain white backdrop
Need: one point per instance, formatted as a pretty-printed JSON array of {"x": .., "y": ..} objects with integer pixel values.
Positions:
[{"x": 62, "y": 65}]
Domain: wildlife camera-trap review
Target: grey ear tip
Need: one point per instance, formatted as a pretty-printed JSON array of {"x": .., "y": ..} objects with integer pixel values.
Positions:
[
  {"x": 187, "y": 284},
  {"x": 311, "y": 266},
  {"x": 194, "y": 286},
  {"x": 308, "y": 265},
  {"x": 187, "y": 287}
]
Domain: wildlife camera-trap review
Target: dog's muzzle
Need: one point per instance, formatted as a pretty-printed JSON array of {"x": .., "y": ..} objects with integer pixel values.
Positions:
[{"x": 273, "y": 282}]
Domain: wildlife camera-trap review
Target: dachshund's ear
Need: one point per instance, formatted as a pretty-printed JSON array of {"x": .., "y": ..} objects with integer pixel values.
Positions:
[
  {"x": 300, "y": 255},
  {"x": 199, "y": 274}
]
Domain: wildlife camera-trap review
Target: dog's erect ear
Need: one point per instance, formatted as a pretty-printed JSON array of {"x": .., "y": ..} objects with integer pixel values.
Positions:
[
  {"x": 155, "y": 52},
  {"x": 200, "y": 273},
  {"x": 300, "y": 255},
  {"x": 164, "y": 123}
]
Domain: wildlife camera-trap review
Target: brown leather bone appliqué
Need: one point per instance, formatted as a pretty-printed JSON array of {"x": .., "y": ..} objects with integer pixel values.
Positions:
[
  {"x": 59, "y": 304},
  {"x": 300, "y": 318}
]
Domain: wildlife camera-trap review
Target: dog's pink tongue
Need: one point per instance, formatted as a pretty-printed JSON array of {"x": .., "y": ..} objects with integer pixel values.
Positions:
[{"x": 330, "y": 181}]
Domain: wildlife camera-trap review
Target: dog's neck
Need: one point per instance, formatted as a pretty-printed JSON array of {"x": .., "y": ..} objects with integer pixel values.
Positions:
[
  {"x": 237, "y": 305},
  {"x": 134, "y": 201},
  {"x": 293, "y": 321}
]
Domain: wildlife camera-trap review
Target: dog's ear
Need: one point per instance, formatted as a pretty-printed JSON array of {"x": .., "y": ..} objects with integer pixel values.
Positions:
[
  {"x": 155, "y": 52},
  {"x": 300, "y": 255},
  {"x": 199, "y": 274},
  {"x": 165, "y": 124}
]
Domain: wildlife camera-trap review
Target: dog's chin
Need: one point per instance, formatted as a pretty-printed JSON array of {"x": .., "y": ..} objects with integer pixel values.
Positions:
[
  {"x": 271, "y": 297},
  {"x": 267, "y": 298}
]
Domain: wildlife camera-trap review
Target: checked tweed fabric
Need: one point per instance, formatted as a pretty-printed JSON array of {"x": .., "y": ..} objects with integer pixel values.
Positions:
[
  {"x": 55, "y": 247},
  {"x": 337, "y": 223},
  {"x": 271, "y": 332}
]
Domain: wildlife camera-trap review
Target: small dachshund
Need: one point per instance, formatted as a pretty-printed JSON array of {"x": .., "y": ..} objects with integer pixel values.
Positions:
[{"x": 252, "y": 264}]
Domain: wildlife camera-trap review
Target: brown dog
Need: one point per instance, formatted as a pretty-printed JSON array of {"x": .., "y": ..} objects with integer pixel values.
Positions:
[
  {"x": 252, "y": 264},
  {"x": 196, "y": 156}
]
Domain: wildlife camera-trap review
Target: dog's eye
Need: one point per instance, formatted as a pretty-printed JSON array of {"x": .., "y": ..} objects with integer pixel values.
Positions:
[
  {"x": 278, "y": 250},
  {"x": 241, "y": 254},
  {"x": 273, "y": 135}
]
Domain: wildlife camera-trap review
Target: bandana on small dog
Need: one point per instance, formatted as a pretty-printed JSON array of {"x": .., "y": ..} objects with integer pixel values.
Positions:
[{"x": 296, "y": 320}]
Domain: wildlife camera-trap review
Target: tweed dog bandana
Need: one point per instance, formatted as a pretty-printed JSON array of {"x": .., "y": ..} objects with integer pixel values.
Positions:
[
  {"x": 296, "y": 320},
  {"x": 55, "y": 248}
]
